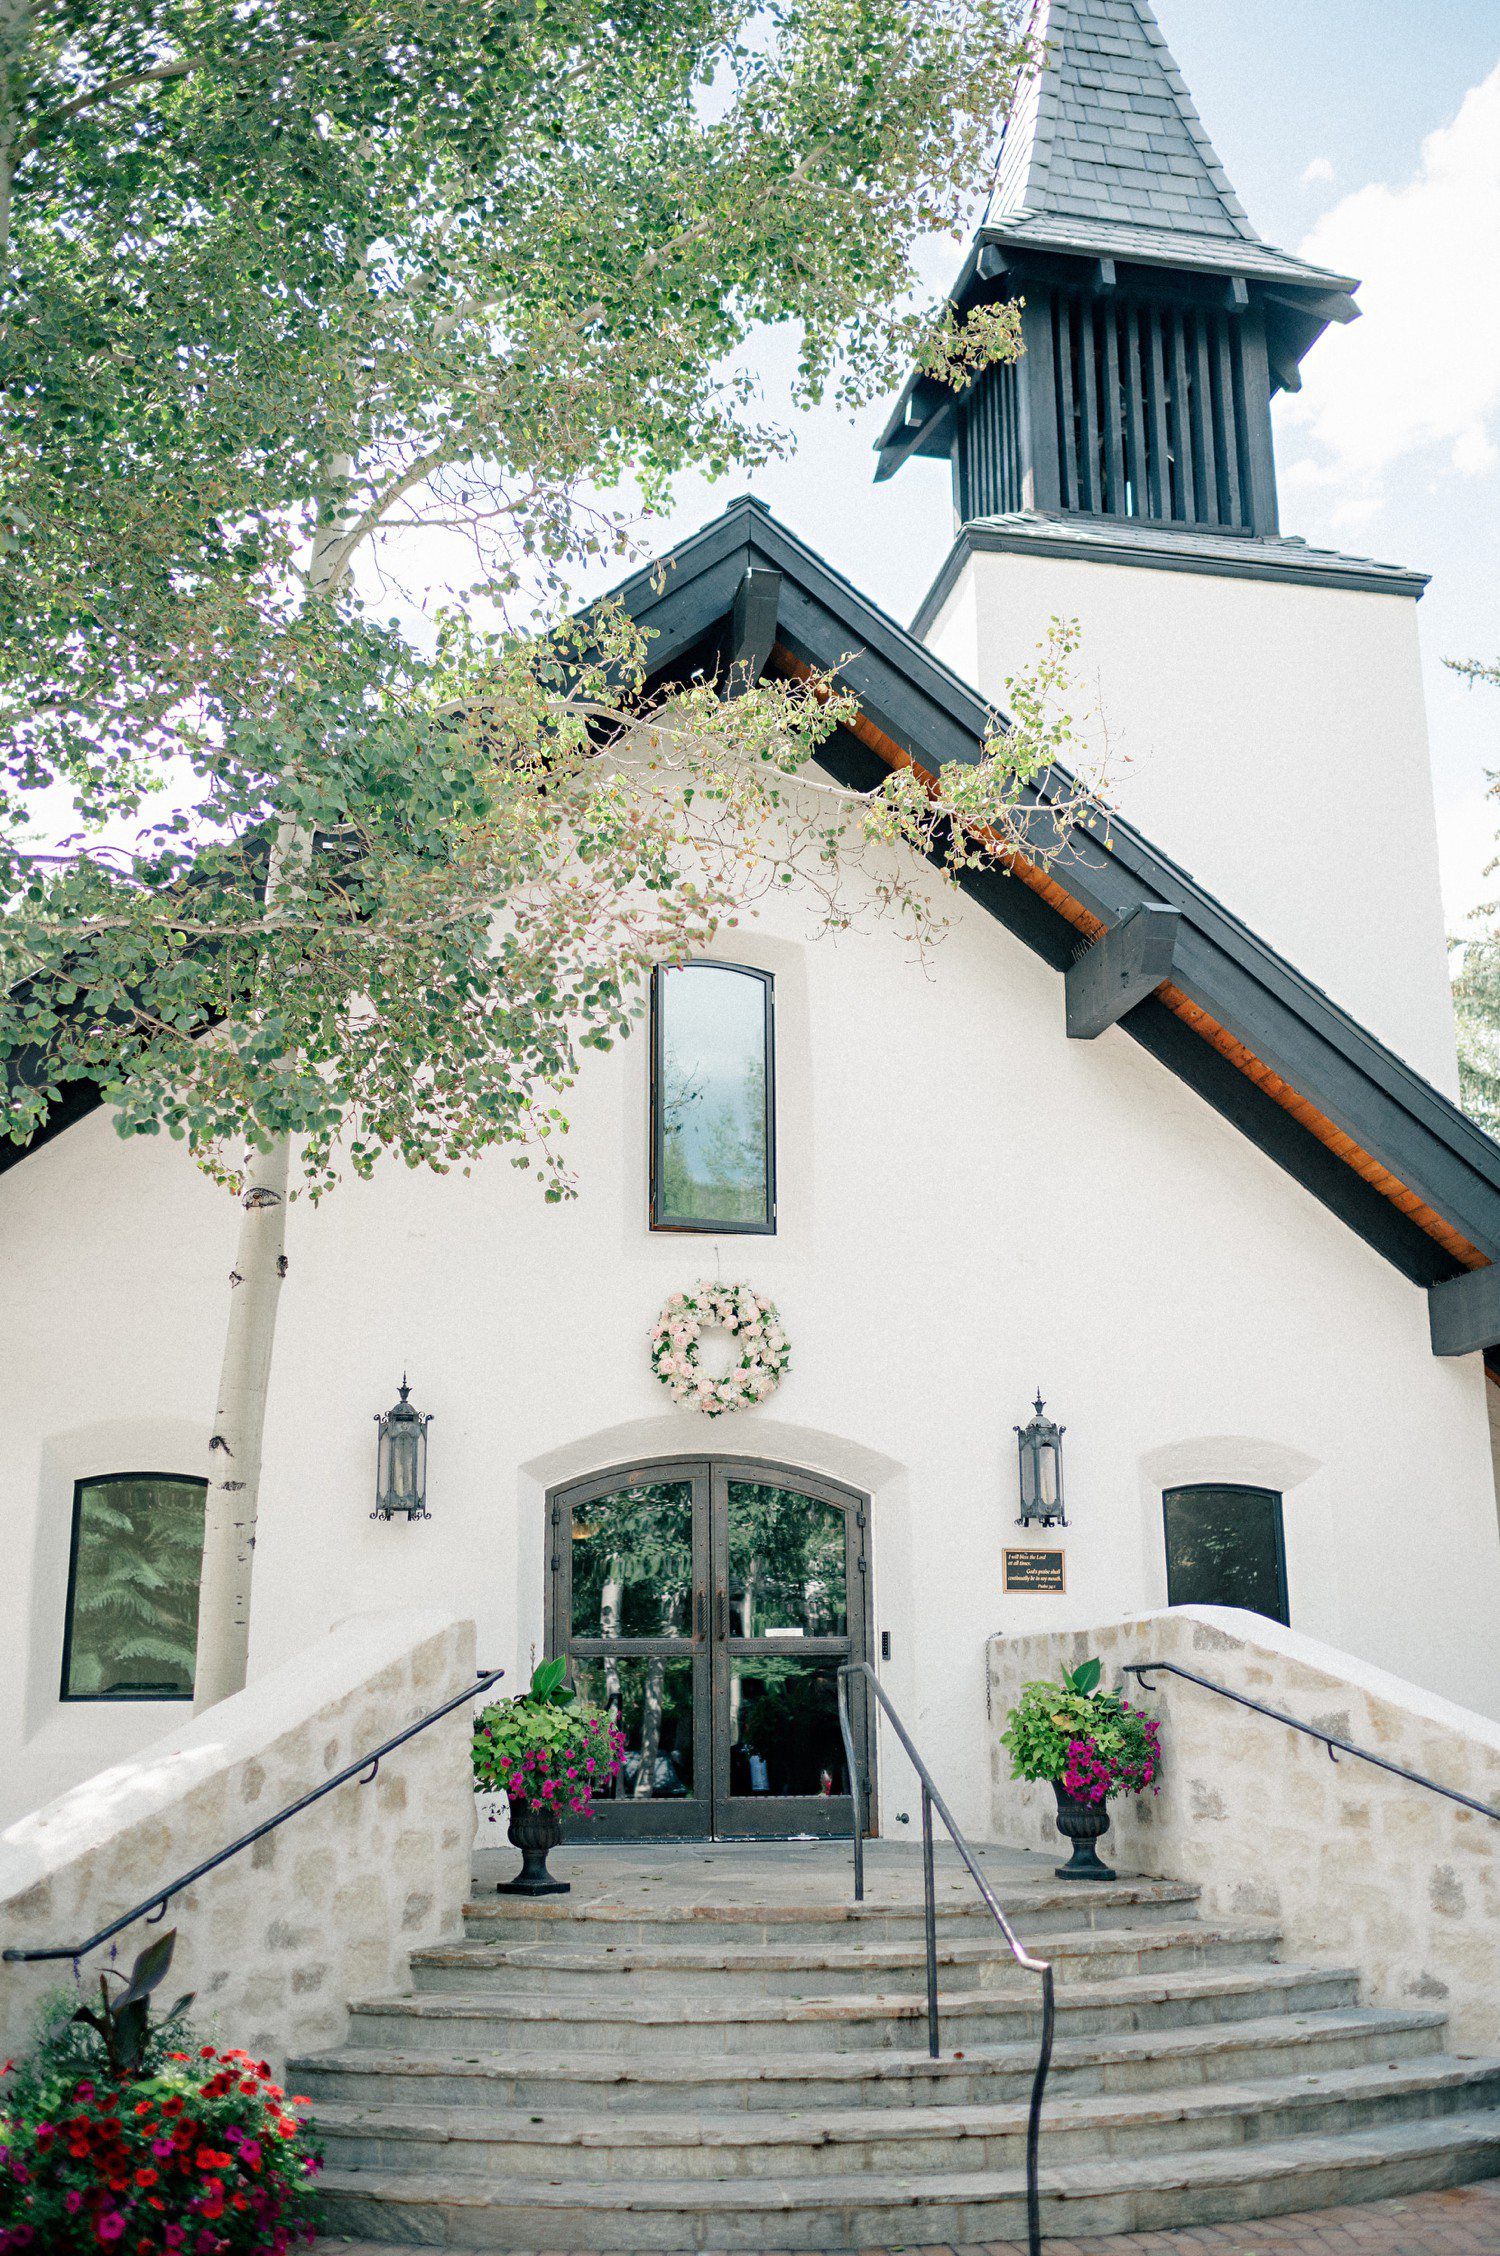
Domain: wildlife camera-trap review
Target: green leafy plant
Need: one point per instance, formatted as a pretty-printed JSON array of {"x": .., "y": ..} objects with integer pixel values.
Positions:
[
  {"x": 123, "y": 2022},
  {"x": 1091, "y": 1743},
  {"x": 546, "y": 1746},
  {"x": 550, "y": 1687}
]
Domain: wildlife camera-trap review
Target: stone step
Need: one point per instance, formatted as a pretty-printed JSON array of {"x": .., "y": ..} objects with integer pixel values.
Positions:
[
  {"x": 730, "y": 2146},
  {"x": 645, "y": 2026},
  {"x": 1040, "y": 1906},
  {"x": 1118, "y": 2193},
  {"x": 584, "y": 2081},
  {"x": 825, "y": 1969}
]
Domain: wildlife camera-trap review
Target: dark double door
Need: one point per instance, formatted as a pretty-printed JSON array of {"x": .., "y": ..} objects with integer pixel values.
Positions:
[{"x": 708, "y": 1604}]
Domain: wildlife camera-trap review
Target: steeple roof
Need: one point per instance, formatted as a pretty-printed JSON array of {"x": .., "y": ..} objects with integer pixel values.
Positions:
[
  {"x": 1105, "y": 131},
  {"x": 1107, "y": 180}
]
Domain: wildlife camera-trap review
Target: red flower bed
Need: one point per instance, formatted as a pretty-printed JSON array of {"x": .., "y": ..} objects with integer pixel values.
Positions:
[{"x": 205, "y": 2155}]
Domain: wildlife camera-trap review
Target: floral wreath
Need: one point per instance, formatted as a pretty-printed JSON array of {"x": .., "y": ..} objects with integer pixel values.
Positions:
[{"x": 764, "y": 1349}]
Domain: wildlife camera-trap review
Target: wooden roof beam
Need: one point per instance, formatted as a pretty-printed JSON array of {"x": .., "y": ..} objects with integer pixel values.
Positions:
[
  {"x": 1465, "y": 1313},
  {"x": 751, "y": 632},
  {"x": 1120, "y": 970}
]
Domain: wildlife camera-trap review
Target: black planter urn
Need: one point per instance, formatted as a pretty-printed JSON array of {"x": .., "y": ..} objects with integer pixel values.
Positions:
[
  {"x": 1081, "y": 1823},
  {"x": 535, "y": 1828}
]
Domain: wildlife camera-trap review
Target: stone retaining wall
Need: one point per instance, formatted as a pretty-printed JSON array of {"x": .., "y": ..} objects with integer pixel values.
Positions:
[
  {"x": 1360, "y": 1868},
  {"x": 326, "y": 1907}
]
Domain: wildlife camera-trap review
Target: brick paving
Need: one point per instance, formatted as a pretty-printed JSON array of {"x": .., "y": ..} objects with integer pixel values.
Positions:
[{"x": 1464, "y": 2222}]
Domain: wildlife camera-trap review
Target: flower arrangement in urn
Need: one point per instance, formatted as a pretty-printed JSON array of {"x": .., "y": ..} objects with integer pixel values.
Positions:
[
  {"x": 1087, "y": 1745},
  {"x": 133, "y": 2137},
  {"x": 548, "y": 1751}
]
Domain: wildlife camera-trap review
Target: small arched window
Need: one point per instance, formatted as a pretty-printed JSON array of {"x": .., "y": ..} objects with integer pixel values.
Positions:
[
  {"x": 132, "y": 1621},
  {"x": 713, "y": 1098},
  {"x": 1225, "y": 1548}
]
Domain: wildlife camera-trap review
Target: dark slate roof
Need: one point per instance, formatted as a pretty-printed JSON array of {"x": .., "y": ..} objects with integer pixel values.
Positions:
[
  {"x": 1321, "y": 1054},
  {"x": 1106, "y": 130},
  {"x": 1166, "y": 548},
  {"x": 1104, "y": 155}
]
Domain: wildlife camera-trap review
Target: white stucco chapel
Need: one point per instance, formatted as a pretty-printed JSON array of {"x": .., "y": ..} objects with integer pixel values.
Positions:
[{"x": 1130, "y": 1246}]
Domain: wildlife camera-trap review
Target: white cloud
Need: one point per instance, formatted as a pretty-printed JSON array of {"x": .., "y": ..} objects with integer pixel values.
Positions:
[
  {"x": 1320, "y": 169},
  {"x": 1421, "y": 370}
]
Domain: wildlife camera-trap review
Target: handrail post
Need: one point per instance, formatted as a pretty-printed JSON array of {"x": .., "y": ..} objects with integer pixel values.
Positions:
[
  {"x": 929, "y": 1911},
  {"x": 856, "y": 1786},
  {"x": 932, "y": 1801},
  {"x": 1034, "y": 2117}
]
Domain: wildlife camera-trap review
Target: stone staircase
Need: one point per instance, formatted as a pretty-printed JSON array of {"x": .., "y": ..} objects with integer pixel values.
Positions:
[{"x": 743, "y": 2066}]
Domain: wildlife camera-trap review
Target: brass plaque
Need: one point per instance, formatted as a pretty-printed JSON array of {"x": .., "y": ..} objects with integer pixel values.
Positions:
[{"x": 1035, "y": 1570}]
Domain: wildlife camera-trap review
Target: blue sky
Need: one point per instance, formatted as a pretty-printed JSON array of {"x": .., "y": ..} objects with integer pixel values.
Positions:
[{"x": 1368, "y": 133}]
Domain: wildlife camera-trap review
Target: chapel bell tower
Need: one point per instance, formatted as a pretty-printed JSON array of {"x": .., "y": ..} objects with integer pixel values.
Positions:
[{"x": 1262, "y": 698}]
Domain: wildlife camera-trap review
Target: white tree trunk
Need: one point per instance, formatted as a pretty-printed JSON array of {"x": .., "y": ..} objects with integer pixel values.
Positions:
[
  {"x": 15, "y": 31},
  {"x": 234, "y": 1449},
  {"x": 260, "y": 1264},
  {"x": 239, "y": 1429}
]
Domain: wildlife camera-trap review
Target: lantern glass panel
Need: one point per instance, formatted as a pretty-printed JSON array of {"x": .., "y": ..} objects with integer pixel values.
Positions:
[{"x": 404, "y": 1484}]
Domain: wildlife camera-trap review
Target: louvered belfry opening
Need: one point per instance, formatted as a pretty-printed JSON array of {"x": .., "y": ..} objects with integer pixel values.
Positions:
[
  {"x": 1124, "y": 405},
  {"x": 1151, "y": 411},
  {"x": 989, "y": 461}
]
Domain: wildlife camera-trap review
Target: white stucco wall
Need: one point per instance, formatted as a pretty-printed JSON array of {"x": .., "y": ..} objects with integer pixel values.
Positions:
[
  {"x": 273, "y": 1943},
  {"x": 1272, "y": 738},
  {"x": 971, "y": 1207},
  {"x": 1358, "y": 1867}
]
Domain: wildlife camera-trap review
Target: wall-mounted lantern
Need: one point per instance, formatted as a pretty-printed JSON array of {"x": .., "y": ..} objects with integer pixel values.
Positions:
[
  {"x": 1040, "y": 1446},
  {"x": 401, "y": 1460}
]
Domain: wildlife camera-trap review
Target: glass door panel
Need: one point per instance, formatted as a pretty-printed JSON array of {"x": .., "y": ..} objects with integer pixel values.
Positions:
[
  {"x": 784, "y": 1737},
  {"x": 652, "y": 1702},
  {"x": 789, "y": 1555},
  {"x": 629, "y": 1573},
  {"x": 788, "y": 1568},
  {"x": 632, "y": 1558}
]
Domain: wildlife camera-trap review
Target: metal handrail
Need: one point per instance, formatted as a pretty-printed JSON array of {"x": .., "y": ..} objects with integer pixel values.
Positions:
[
  {"x": 1330, "y": 1739},
  {"x": 153, "y": 1908},
  {"x": 933, "y": 1800}
]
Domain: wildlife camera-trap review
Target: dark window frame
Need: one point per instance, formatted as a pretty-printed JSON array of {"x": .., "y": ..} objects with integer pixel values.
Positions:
[
  {"x": 108, "y": 1699},
  {"x": 686, "y": 1225},
  {"x": 1278, "y": 1526}
]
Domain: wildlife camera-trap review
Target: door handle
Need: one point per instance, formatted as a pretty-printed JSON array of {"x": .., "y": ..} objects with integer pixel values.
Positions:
[
  {"x": 723, "y": 1613},
  {"x": 700, "y": 1620}
]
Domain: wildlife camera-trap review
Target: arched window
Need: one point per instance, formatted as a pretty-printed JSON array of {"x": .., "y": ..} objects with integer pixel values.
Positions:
[
  {"x": 1224, "y": 1548},
  {"x": 132, "y": 1621},
  {"x": 713, "y": 1099}
]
